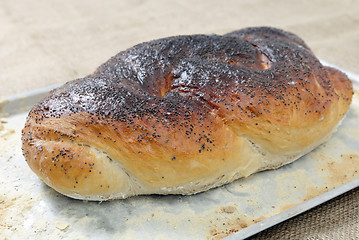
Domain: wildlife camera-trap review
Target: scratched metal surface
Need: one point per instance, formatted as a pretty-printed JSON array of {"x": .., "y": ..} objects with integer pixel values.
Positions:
[{"x": 31, "y": 210}]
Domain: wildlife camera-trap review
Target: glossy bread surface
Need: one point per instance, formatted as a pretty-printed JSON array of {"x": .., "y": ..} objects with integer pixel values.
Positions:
[{"x": 184, "y": 114}]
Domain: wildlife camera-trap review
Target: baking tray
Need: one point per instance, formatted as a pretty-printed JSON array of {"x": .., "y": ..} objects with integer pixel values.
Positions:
[{"x": 31, "y": 210}]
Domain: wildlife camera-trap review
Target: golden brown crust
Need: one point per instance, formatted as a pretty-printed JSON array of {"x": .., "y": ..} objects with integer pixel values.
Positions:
[{"x": 188, "y": 112}]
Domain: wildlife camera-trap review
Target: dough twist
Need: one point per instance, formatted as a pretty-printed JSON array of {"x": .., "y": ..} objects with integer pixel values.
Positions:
[{"x": 184, "y": 114}]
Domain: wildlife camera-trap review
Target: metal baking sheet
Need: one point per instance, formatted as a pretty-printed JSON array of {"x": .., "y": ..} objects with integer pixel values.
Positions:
[{"x": 31, "y": 210}]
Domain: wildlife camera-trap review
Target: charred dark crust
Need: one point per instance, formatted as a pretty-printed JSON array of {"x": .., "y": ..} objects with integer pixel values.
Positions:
[{"x": 173, "y": 79}]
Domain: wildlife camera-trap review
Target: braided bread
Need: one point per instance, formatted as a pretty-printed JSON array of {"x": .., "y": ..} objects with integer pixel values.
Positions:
[{"x": 184, "y": 114}]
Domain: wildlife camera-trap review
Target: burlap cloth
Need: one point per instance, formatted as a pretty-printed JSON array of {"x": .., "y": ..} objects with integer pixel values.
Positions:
[{"x": 45, "y": 42}]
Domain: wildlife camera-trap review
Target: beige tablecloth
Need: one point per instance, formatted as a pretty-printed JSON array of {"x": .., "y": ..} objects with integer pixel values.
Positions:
[{"x": 45, "y": 42}]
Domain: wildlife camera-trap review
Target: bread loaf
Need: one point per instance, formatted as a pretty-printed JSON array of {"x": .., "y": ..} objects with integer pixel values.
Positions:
[{"x": 184, "y": 114}]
